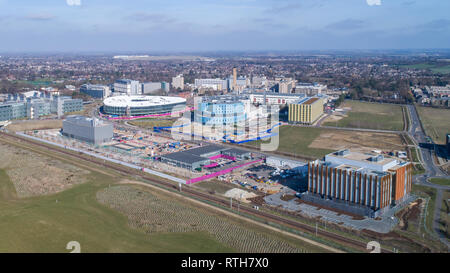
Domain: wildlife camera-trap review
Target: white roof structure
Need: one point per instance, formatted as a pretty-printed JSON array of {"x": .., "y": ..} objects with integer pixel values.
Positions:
[{"x": 141, "y": 101}]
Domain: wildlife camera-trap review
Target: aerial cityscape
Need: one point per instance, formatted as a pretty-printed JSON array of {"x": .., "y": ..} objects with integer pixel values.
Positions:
[{"x": 224, "y": 127}]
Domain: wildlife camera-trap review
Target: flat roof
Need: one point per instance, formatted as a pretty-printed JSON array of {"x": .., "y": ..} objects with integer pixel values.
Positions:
[
  {"x": 357, "y": 169},
  {"x": 141, "y": 101},
  {"x": 236, "y": 151},
  {"x": 363, "y": 157},
  {"x": 206, "y": 149},
  {"x": 311, "y": 101},
  {"x": 185, "y": 157}
]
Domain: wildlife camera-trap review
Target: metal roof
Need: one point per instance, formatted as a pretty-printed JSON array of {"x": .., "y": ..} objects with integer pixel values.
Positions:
[
  {"x": 206, "y": 150},
  {"x": 185, "y": 157}
]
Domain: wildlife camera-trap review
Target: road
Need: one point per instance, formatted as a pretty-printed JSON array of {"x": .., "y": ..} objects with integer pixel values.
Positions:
[{"x": 418, "y": 135}]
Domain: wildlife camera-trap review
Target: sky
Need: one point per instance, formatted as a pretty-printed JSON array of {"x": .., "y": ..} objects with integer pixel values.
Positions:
[{"x": 221, "y": 25}]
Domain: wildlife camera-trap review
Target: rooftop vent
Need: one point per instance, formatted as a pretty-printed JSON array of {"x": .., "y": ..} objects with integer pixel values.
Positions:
[{"x": 377, "y": 158}]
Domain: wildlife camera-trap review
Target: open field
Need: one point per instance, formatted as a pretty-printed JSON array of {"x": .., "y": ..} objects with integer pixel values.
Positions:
[
  {"x": 368, "y": 115},
  {"x": 436, "y": 122},
  {"x": 317, "y": 142},
  {"x": 440, "y": 181},
  {"x": 445, "y": 214},
  {"x": 47, "y": 223},
  {"x": 44, "y": 225},
  {"x": 215, "y": 186},
  {"x": 33, "y": 174},
  {"x": 152, "y": 212},
  {"x": 149, "y": 123},
  {"x": 29, "y": 125},
  {"x": 436, "y": 68}
]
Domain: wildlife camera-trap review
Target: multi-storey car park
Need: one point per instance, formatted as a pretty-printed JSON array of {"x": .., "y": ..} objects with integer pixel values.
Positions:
[{"x": 142, "y": 105}]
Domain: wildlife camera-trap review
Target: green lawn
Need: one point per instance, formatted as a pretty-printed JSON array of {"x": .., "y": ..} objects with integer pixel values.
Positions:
[
  {"x": 436, "y": 68},
  {"x": 445, "y": 216},
  {"x": 440, "y": 181},
  {"x": 295, "y": 141},
  {"x": 436, "y": 122},
  {"x": 371, "y": 116},
  {"x": 430, "y": 193},
  {"x": 152, "y": 122},
  {"x": 41, "y": 224}
]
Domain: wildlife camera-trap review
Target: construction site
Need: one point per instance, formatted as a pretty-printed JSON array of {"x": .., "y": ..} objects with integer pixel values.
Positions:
[{"x": 185, "y": 162}]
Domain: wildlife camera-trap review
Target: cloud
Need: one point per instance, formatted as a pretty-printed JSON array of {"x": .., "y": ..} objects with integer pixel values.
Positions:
[
  {"x": 373, "y": 2},
  {"x": 73, "y": 2}
]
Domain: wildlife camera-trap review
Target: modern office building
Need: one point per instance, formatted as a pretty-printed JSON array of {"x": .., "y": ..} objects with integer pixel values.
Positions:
[
  {"x": 165, "y": 86},
  {"x": 259, "y": 82},
  {"x": 65, "y": 104},
  {"x": 178, "y": 82},
  {"x": 221, "y": 110},
  {"x": 37, "y": 108},
  {"x": 96, "y": 90},
  {"x": 271, "y": 98},
  {"x": 362, "y": 183},
  {"x": 142, "y": 105},
  {"x": 13, "y": 110},
  {"x": 151, "y": 87},
  {"x": 238, "y": 84},
  {"x": 214, "y": 84},
  {"x": 306, "y": 111},
  {"x": 91, "y": 130},
  {"x": 33, "y": 107},
  {"x": 127, "y": 87},
  {"x": 285, "y": 86},
  {"x": 310, "y": 89}
]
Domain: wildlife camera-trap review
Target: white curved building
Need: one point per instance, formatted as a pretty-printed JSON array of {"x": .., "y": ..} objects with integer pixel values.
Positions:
[{"x": 141, "y": 105}]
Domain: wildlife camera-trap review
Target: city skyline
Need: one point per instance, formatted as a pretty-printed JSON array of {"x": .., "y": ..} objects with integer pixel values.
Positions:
[{"x": 200, "y": 25}]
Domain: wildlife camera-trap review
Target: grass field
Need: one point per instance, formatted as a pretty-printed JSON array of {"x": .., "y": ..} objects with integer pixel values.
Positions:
[
  {"x": 149, "y": 123},
  {"x": 436, "y": 122},
  {"x": 46, "y": 223},
  {"x": 153, "y": 212},
  {"x": 445, "y": 216},
  {"x": 440, "y": 181},
  {"x": 316, "y": 142},
  {"x": 369, "y": 116},
  {"x": 443, "y": 69},
  {"x": 296, "y": 140},
  {"x": 430, "y": 193},
  {"x": 17, "y": 126}
]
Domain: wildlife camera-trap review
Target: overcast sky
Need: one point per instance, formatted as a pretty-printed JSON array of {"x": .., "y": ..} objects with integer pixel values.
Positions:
[{"x": 208, "y": 25}]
